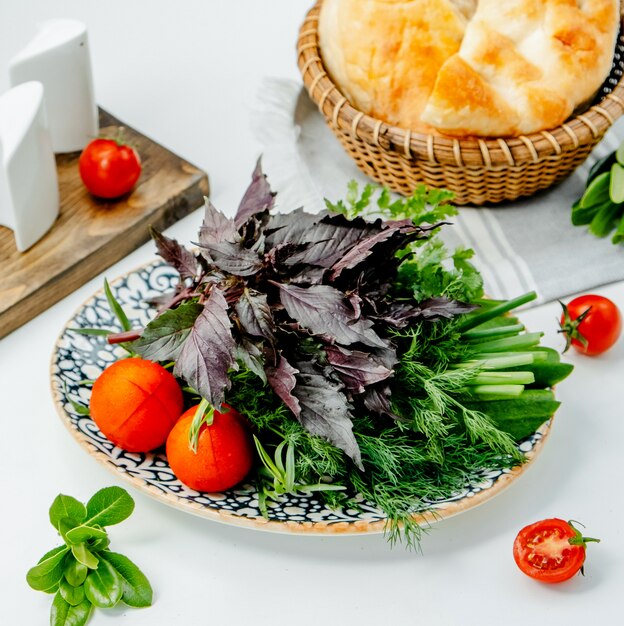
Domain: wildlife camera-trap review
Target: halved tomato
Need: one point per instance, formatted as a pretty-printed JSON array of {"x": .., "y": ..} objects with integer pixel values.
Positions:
[{"x": 550, "y": 551}]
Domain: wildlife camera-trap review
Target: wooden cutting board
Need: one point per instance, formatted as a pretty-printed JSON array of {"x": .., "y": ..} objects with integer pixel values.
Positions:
[{"x": 90, "y": 234}]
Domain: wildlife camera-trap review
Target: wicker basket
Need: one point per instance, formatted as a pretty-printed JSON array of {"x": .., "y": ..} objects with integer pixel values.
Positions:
[{"x": 478, "y": 171}]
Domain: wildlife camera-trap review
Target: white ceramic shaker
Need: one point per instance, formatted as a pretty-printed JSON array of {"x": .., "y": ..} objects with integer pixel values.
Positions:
[
  {"x": 58, "y": 57},
  {"x": 29, "y": 195}
]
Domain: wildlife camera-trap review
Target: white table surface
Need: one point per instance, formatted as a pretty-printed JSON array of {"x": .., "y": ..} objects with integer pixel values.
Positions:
[{"x": 186, "y": 74}]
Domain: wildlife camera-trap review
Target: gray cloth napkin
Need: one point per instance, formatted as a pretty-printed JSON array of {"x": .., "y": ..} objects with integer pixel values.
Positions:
[{"x": 521, "y": 246}]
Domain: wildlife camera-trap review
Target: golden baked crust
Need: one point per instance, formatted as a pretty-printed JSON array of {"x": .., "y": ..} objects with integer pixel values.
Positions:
[
  {"x": 543, "y": 58},
  {"x": 511, "y": 67},
  {"x": 385, "y": 54}
]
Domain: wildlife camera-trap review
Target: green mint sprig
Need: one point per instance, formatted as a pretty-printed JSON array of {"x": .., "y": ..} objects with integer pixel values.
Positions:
[{"x": 83, "y": 573}]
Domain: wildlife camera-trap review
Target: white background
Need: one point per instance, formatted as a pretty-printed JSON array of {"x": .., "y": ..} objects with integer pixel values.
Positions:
[{"x": 186, "y": 74}]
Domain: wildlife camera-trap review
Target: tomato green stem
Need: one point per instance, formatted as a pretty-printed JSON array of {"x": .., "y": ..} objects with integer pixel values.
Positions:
[
  {"x": 578, "y": 539},
  {"x": 119, "y": 139},
  {"x": 203, "y": 415},
  {"x": 570, "y": 327}
]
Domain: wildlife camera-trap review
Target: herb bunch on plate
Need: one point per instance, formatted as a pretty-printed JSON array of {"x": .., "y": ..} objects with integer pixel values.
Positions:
[{"x": 363, "y": 353}]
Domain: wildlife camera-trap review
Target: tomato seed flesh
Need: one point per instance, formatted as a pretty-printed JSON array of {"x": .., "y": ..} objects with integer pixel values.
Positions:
[{"x": 548, "y": 550}]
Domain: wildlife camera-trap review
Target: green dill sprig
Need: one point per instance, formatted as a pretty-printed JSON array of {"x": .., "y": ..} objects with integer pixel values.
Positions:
[
  {"x": 430, "y": 399},
  {"x": 403, "y": 474}
]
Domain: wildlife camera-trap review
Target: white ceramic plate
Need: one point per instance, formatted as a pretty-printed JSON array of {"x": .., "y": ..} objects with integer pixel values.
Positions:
[{"x": 77, "y": 357}]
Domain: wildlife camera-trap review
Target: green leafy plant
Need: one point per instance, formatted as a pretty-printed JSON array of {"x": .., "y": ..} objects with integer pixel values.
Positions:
[
  {"x": 601, "y": 207},
  {"x": 84, "y": 573}
]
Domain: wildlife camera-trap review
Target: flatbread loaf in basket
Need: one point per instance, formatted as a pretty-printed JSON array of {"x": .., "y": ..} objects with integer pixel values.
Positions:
[{"x": 493, "y": 99}]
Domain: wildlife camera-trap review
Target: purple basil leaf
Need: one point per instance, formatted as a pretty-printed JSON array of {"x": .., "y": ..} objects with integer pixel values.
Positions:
[
  {"x": 282, "y": 254},
  {"x": 232, "y": 258},
  {"x": 309, "y": 275},
  {"x": 282, "y": 380},
  {"x": 255, "y": 315},
  {"x": 207, "y": 353},
  {"x": 290, "y": 228},
  {"x": 331, "y": 237},
  {"x": 360, "y": 251},
  {"x": 325, "y": 410},
  {"x": 335, "y": 241},
  {"x": 437, "y": 308},
  {"x": 377, "y": 400},
  {"x": 373, "y": 264},
  {"x": 216, "y": 227},
  {"x": 387, "y": 356},
  {"x": 400, "y": 314},
  {"x": 252, "y": 233},
  {"x": 257, "y": 199},
  {"x": 325, "y": 311},
  {"x": 213, "y": 276},
  {"x": 251, "y": 355},
  {"x": 181, "y": 259},
  {"x": 356, "y": 369},
  {"x": 164, "y": 337}
]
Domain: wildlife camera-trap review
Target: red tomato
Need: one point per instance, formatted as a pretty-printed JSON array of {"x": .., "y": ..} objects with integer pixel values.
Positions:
[
  {"x": 224, "y": 453},
  {"x": 592, "y": 324},
  {"x": 135, "y": 403},
  {"x": 109, "y": 169},
  {"x": 550, "y": 551}
]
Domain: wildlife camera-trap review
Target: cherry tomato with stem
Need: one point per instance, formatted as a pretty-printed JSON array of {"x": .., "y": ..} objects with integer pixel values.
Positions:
[
  {"x": 591, "y": 324},
  {"x": 551, "y": 550},
  {"x": 109, "y": 168}
]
